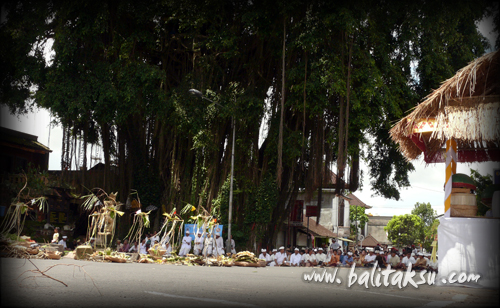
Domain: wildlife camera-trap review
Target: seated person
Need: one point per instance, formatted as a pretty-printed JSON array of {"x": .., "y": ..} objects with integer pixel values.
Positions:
[
  {"x": 119, "y": 245},
  {"x": 134, "y": 248},
  {"x": 321, "y": 257},
  {"x": 295, "y": 258},
  {"x": 334, "y": 259},
  {"x": 361, "y": 258},
  {"x": 394, "y": 261},
  {"x": 380, "y": 259},
  {"x": 168, "y": 249},
  {"x": 63, "y": 242},
  {"x": 125, "y": 246},
  {"x": 303, "y": 254},
  {"x": 420, "y": 263},
  {"x": 370, "y": 258},
  {"x": 432, "y": 266},
  {"x": 310, "y": 259},
  {"x": 349, "y": 260},
  {"x": 281, "y": 257},
  {"x": 265, "y": 256},
  {"x": 408, "y": 260}
]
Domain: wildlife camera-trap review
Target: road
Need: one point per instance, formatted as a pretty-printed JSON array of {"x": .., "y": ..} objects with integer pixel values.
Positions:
[{"x": 97, "y": 284}]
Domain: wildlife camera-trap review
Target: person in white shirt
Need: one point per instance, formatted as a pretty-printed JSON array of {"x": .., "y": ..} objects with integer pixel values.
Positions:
[
  {"x": 186, "y": 244},
  {"x": 133, "y": 248},
  {"x": 168, "y": 249},
  {"x": 433, "y": 266},
  {"x": 55, "y": 237},
  {"x": 334, "y": 244},
  {"x": 198, "y": 244},
  {"x": 281, "y": 257},
  {"x": 218, "y": 249},
  {"x": 407, "y": 260},
  {"x": 320, "y": 257},
  {"x": 155, "y": 238},
  {"x": 295, "y": 258},
  {"x": 63, "y": 242},
  {"x": 310, "y": 259},
  {"x": 303, "y": 254},
  {"x": 370, "y": 259},
  {"x": 208, "y": 248},
  {"x": 92, "y": 242},
  {"x": 233, "y": 245},
  {"x": 273, "y": 257},
  {"x": 265, "y": 256},
  {"x": 142, "y": 247}
]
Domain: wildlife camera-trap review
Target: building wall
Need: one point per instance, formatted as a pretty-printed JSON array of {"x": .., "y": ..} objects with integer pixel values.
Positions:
[
  {"x": 375, "y": 227},
  {"x": 329, "y": 209}
]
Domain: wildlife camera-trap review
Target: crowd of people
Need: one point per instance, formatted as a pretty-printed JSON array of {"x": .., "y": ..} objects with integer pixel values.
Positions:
[
  {"x": 333, "y": 256},
  {"x": 367, "y": 257},
  {"x": 206, "y": 246}
]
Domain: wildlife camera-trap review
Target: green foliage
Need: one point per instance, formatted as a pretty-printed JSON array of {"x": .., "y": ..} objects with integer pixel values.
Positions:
[
  {"x": 357, "y": 213},
  {"x": 425, "y": 212},
  {"x": 120, "y": 73},
  {"x": 34, "y": 181},
  {"x": 482, "y": 182},
  {"x": 405, "y": 230},
  {"x": 220, "y": 205}
]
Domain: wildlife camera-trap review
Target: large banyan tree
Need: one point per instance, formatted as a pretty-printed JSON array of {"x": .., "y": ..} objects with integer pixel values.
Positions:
[{"x": 326, "y": 80}]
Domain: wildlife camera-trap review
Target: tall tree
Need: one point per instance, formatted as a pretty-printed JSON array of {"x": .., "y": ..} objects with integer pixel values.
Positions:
[
  {"x": 405, "y": 230},
  {"x": 121, "y": 71},
  {"x": 425, "y": 212}
]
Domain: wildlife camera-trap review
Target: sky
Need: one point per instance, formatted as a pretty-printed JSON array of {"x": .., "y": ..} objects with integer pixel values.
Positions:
[{"x": 427, "y": 181}]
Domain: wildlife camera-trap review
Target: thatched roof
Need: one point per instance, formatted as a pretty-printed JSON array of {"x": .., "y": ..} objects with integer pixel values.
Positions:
[{"x": 465, "y": 107}]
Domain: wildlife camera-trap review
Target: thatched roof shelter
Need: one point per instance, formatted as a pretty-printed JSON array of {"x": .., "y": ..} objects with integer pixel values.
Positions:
[{"x": 465, "y": 108}]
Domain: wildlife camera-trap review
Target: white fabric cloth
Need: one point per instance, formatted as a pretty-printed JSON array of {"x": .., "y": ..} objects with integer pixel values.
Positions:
[
  {"x": 132, "y": 249},
  {"x": 471, "y": 246},
  {"x": 295, "y": 259},
  {"x": 186, "y": 245},
  {"x": 198, "y": 245}
]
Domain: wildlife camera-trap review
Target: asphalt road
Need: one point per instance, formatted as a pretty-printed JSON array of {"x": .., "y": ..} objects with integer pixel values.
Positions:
[{"x": 99, "y": 284}]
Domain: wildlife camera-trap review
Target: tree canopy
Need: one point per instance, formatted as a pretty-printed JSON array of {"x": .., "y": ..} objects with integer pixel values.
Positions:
[
  {"x": 405, "y": 230},
  {"x": 325, "y": 78},
  {"x": 425, "y": 212}
]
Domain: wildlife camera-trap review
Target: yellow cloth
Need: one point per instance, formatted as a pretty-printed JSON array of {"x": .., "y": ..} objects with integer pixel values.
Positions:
[{"x": 434, "y": 250}]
